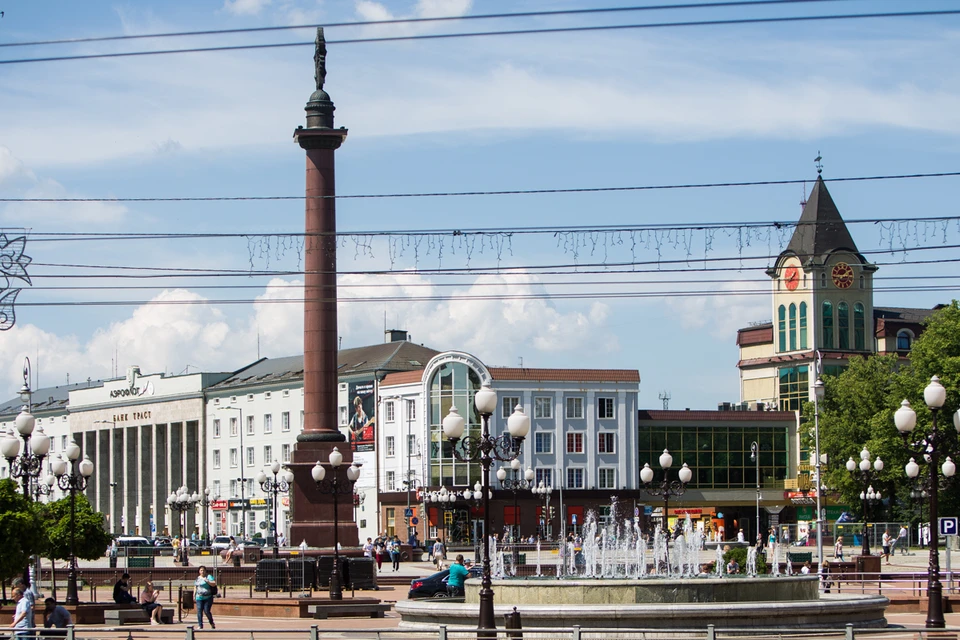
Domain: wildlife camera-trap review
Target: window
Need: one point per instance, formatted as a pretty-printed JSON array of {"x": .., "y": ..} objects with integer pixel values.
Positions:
[
  {"x": 344, "y": 417},
  {"x": 543, "y": 442},
  {"x": 391, "y": 521},
  {"x": 391, "y": 445},
  {"x": 782, "y": 328},
  {"x": 250, "y": 428},
  {"x": 793, "y": 388},
  {"x": 285, "y": 453},
  {"x": 63, "y": 443},
  {"x": 233, "y": 399},
  {"x": 827, "y": 324},
  {"x": 250, "y": 491},
  {"x": 53, "y": 446},
  {"x": 859, "y": 328},
  {"x": 904, "y": 340},
  {"x": 216, "y": 428},
  {"x": 301, "y": 420},
  {"x": 574, "y": 478},
  {"x": 267, "y": 395},
  {"x": 843, "y": 325},
  {"x": 793, "y": 327},
  {"x": 249, "y": 397},
  {"x": 606, "y": 442},
  {"x": 411, "y": 445},
  {"x": 543, "y": 407},
  {"x": 216, "y": 458},
  {"x": 823, "y": 280},
  {"x": 233, "y": 458},
  {"x": 389, "y": 409},
  {"x": 391, "y": 481},
  {"x": 606, "y": 478},
  {"x": 285, "y": 421},
  {"x": 605, "y": 408},
  {"x": 267, "y": 454},
  {"x": 575, "y": 408},
  {"x": 286, "y": 393},
  {"x": 574, "y": 443},
  {"x": 233, "y": 488},
  {"x": 411, "y": 410},
  {"x": 509, "y": 404},
  {"x": 268, "y": 423},
  {"x": 251, "y": 457},
  {"x": 234, "y": 428},
  {"x": 216, "y": 488},
  {"x": 803, "y": 325},
  {"x": 545, "y": 477}
]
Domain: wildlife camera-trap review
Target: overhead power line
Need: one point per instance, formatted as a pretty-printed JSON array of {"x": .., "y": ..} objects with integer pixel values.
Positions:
[
  {"x": 509, "y": 32},
  {"x": 501, "y": 192},
  {"x": 395, "y": 21}
]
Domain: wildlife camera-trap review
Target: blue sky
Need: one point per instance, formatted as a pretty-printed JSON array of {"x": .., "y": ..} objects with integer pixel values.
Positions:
[{"x": 593, "y": 109}]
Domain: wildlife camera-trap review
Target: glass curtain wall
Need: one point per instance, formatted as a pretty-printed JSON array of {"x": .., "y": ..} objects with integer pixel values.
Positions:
[{"x": 453, "y": 383}]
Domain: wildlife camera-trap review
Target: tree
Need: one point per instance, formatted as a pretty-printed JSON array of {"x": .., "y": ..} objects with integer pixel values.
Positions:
[
  {"x": 21, "y": 530},
  {"x": 91, "y": 538}
]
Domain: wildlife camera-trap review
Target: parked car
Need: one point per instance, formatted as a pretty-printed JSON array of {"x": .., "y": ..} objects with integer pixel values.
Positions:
[
  {"x": 435, "y": 586},
  {"x": 220, "y": 543}
]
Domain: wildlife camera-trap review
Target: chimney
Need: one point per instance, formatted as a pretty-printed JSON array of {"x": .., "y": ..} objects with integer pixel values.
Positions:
[{"x": 394, "y": 335}]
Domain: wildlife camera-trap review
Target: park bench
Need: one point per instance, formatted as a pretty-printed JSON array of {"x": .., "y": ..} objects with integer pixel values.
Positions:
[
  {"x": 324, "y": 611},
  {"x": 120, "y": 617}
]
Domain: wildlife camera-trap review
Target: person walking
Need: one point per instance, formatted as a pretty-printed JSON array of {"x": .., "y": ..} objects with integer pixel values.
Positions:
[
  {"x": 379, "y": 548},
  {"x": 838, "y": 549},
  {"x": 886, "y": 542},
  {"x": 439, "y": 553},
  {"x": 395, "y": 553},
  {"x": 368, "y": 548},
  {"x": 22, "y": 623},
  {"x": 148, "y": 601},
  {"x": 902, "y": 541},
  {"x": 203, "y": 591}
]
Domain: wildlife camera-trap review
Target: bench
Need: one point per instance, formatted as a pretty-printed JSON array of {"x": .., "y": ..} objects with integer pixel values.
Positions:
[
  {"x": 120, "y": 617},
  {"x": 324, "y": 611}
]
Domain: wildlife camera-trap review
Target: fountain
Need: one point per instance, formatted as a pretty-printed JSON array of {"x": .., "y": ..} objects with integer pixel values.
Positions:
[{"x": 612, "y": 579}]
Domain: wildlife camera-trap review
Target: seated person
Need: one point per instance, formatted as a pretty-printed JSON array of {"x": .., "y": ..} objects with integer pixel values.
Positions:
[
  {"x": 148, "y": 600},
  {"x": 55, "y": 616},
  {"x": 232, "y": 551},
  {"x": 733, "y": 566},
  {"x": 121, "y": 591}
]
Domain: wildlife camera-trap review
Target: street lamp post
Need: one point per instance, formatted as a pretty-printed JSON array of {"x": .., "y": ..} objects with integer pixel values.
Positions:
[
  {"x": 818, "y": 393},
  {"x": 755, "y": 457},
  {"x": 485, "y": 449},
  {"x": 204, "y": 503},
  {"x": 666, "y": 487},
  {"x": 273, "y": 487},
  {"x": 182, "y": 501},
  {"x": 442, "y": 498},
  {"x": 862, "y": 472},
  {"x": 72, "y": 477},
  {"x": 333, "y": 487},
  {"x": 514, "y": 484},
  {"x": 930, "y": 447},
  {"x": 543, "y": 492},
  {"x": 919, "y": 495}
]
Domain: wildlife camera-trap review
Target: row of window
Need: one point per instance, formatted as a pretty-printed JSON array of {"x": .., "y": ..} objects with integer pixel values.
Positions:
[
  {"x": 389, "y": 410},
  {"x": 251, "y": 456},
  {"x": 575, "y": 478},
  {"x": 792, "y": 326},
  {"x": 267, "y": 424},
  {"x": 543, "y": 407},
  {"x": 266, "y": 396},
  {"x": 390, "y": 445},
  {"x": 543, "y": 442}
]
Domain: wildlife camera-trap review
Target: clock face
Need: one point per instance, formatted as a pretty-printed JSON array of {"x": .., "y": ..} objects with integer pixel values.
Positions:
[
  {"x": 791, "y": 276},
  {"x": 842, "y": 275}
]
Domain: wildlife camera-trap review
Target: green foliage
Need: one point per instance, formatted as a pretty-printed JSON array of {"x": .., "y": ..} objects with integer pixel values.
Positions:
[
  {"x": 21, "y": 530},
  {"x": 857, "y": 412},
  {"x": 740, "y": 553},
  {"x": 91, "y": 539}
]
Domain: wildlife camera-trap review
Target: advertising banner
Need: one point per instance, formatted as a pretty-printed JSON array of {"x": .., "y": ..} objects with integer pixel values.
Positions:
[{"x": 363, "y": 418}]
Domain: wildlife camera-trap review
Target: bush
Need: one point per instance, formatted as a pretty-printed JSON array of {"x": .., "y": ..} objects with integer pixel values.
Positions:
[{"x": 740, "y": 553}]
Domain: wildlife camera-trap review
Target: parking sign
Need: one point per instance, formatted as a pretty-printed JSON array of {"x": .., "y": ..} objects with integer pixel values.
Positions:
[{"x": 948, "y": 526}]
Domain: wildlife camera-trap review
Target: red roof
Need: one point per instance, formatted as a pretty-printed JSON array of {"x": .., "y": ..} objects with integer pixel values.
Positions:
[
  {"x": 402, "y": 377},
  {"x": 762, "y": 334}
]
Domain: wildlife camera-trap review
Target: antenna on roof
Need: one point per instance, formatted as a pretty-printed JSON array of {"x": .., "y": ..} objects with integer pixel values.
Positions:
[
  {"x": 817, "y": 163},
  {"x": 665, "y": 399},
  {"x": 803, "y": 196}
]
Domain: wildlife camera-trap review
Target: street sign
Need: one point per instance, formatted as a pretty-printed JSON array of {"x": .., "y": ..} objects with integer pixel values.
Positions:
[
  {"x": 948, "y": 526},
  {"x": 573, "y": 518},
  {"x": 408, "y": 513},
  {"x": 636, "y": 512},
  {"x": 414, "y": 520}
]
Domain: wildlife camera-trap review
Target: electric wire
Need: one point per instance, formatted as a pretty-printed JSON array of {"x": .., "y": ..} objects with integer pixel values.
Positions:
[
  {"x": 481, "y": 34},
  {"x": 503, "y": 192},
  {"x": 394, "y": 21}
]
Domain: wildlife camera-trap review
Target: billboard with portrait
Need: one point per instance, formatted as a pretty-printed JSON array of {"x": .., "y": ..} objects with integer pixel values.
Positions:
[{"x": 362, "y": 422}]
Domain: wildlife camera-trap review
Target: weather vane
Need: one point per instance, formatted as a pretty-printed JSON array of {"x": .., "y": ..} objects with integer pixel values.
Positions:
[{"x": 818, "y": 162}]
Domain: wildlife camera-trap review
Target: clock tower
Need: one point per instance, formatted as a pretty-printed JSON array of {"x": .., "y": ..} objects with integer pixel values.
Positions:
[{"x": 822, "y": 302}]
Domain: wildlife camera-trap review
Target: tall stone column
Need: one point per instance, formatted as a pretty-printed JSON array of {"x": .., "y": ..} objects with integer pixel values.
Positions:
[{"x": 312, "y": 512}]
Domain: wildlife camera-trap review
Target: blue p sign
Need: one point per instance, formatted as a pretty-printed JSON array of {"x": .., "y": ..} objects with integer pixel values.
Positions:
[{"x": 948, "y": 526}]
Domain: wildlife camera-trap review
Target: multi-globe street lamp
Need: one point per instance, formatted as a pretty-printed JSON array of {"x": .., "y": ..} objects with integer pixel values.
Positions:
[
  {"x": 486, "y": 448},
  {"x": 755, "y": 457},
  {"x": 279, "y": 484},
  {"x": 930, "y": 447},
  {"x": 919, "y": 495},
  {"x": 334, "y": 487},
  {"x": 444, "y": 499},
  {"x": 543, "y": 492},
  {"x": 865, "y": 473},
  {"x": 817, "y": 393},
  {"x": 182, "y": 501},
  {"x": 666, "y": 487},
  {"x": 205, "y": 502},
  {"x": 72, "y": 476},
  {"x": 515, "y": 483}
]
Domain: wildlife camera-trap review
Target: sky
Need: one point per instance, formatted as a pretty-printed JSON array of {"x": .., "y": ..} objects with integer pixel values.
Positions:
[{"x": 574, "y": 110}]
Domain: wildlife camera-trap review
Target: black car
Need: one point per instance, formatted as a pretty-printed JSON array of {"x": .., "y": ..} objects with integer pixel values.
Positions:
[{"x": 435, "y": 586}]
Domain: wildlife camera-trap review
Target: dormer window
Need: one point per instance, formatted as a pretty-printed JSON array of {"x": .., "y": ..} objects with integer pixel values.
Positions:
[{"x": 904, "y": 340}]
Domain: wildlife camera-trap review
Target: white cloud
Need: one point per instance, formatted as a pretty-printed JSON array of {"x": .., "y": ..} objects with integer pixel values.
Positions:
[
  {"x": 245, "y": 7},
  {"x": 11, "y": 168},
  {"x": 723, "y": 313}
]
